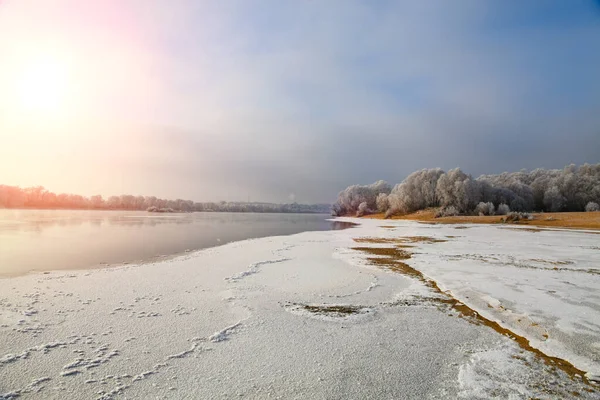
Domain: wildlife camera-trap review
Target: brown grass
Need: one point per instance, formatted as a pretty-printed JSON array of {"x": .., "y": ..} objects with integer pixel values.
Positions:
[
  {"x": 390, "y": 259},
  {"x": 397, "y": 253},
  {"x": 401, "y": 241},
  {"x": 583, "y": 220}
]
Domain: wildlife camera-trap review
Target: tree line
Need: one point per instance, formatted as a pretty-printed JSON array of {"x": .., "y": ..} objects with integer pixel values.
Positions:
[
  {"x": 40, "y": 198},
  {"x": 573, "y": 188}
]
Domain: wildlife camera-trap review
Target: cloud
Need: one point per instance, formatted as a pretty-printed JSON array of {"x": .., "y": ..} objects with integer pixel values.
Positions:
[{"x": 268, "y": 98}]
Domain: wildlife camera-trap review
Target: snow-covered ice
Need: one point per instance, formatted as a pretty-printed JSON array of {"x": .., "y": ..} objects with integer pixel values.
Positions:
[{"x": 307, "y": 316}]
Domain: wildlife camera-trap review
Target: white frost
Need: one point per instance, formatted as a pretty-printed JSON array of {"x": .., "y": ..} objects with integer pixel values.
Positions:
[
  {"x": 224, "y": 334},
  {"x": 254, "y": 268},
  {"x": 196, "y": 325}
]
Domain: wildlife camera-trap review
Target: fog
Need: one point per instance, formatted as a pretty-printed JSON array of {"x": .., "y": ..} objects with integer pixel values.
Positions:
[{"x": 280, "y": 101}]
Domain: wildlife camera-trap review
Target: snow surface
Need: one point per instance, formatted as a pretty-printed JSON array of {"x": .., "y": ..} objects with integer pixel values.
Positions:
[{"x": 306, "y": 316}]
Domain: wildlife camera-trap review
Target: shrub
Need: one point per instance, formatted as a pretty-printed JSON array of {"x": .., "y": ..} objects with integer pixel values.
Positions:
[
  {"x": 503, "y": 209},
  {"x": 350, "y": 198},
  {"x": 591, "y": 206},
  {"x": 363, "y": 209},
  {"x": 485, "y": 208},
  {"x": 516, "y": 216},
  {"x": 336, "y": 210},
  {"x": 449, "y": 211}
]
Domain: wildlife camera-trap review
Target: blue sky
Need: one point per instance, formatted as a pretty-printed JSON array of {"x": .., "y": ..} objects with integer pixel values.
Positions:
[{"x": 272, "y": 98}]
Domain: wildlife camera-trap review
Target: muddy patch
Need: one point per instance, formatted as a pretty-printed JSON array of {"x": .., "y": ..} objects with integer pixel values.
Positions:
[{"x": 328, "y": 311}]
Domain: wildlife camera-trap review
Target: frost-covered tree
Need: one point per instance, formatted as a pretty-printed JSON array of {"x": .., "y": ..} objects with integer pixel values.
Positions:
[
  {"x": 508, "y": 188},
  {"x": 553, "y": 199},
  {"x": 416, "y": 192},
  {"x": 457, "y": 189},
  {"x": 350, "y": 198},
  {"x": 591, "y": 206},
  {"x": 363, "y": 209},
  {"x": 485, "y": 208},
  {"x": 382, "y": 202},
  {"x": 503, "y": 209},
  {"x": 447, "y": 184},
  {"x": 567, "y": 189}
]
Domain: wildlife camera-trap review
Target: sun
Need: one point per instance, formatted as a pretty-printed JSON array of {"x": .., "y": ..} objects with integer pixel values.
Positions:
[{"x": 42, "y": 85}]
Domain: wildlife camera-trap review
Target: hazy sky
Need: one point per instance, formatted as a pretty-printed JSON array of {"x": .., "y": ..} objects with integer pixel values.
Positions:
[{"x": 228, "y": 99}]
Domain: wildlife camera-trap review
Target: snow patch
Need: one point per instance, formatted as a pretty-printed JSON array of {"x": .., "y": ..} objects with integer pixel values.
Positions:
[
  {"x": 510, "y": 373},
  {"x": 184, "y": 353},
  {"x": 224, "y": 334},
  {"x": 254, "y": 268}
]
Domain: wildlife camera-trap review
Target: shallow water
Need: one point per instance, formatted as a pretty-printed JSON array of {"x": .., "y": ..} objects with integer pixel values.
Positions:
[{"x": 43, "y": 240}]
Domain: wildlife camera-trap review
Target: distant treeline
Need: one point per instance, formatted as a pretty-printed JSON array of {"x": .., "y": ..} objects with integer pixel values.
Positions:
[
  {"x": 38, "y": 197},
  {"x": 455, "y": 192}
]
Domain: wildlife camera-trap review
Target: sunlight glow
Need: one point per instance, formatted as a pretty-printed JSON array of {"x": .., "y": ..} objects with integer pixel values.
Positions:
[{"x": 42, "y": 85}]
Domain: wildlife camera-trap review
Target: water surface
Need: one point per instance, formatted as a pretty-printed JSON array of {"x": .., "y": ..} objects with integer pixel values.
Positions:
[{"x": 44, "y": 240}]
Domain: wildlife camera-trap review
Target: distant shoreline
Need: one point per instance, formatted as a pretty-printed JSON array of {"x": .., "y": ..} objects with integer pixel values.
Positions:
[
  {"x": 164, "y": 212},
  {"x": 39, "y": 198}
]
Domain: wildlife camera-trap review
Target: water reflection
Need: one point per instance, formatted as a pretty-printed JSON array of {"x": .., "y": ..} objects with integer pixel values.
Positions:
[
  {"x": 339, "y": 225},
  {"x": 40, "y": 240},
  {"x": 37, "y": 220}
]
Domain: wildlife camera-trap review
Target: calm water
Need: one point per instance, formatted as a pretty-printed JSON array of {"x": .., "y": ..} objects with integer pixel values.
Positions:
[{"x": 43, "y": 240}]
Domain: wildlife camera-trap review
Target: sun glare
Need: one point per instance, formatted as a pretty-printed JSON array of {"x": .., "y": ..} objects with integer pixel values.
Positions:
[{"x": 42, "y": 85}]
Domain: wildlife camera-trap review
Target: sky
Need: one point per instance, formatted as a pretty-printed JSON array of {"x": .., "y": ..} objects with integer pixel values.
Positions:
[{"x": 290, "y": 100}]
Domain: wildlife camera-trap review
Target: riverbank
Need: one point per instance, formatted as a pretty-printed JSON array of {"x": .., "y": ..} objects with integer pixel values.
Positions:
[
  {"x": 316, "y": 315},
  {"x": 571, "y": 220}
]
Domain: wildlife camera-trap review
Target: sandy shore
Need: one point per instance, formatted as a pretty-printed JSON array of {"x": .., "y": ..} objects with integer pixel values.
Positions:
[{"x": 317, "y": 315}]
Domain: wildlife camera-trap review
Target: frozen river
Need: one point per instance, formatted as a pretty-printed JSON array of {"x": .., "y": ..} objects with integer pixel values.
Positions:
[
  {"x": 386, "y": 310},
  {"x": 43, "y": 240}
]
